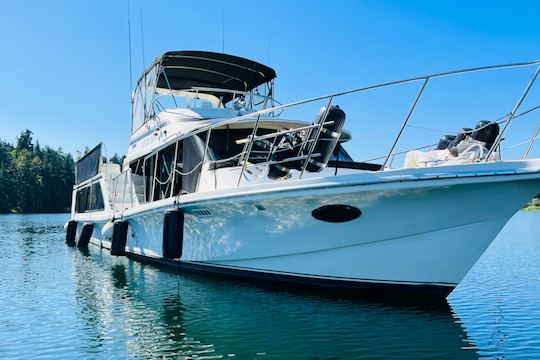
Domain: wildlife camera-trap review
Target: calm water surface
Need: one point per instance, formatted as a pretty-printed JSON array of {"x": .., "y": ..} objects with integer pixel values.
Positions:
[{"x": 58, "y": 302}]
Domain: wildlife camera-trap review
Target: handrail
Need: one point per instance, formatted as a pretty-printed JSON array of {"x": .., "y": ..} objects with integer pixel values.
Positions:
[
  {"x": 531, "y": 142},
  {"x": 294, "y": 158},
  {"x": 279, "y": 133},
  {"x": 202, "y": 88},
  {"x": 309, "y": 146},
  {"x": 197, "y": 89},
  {"x": 411, "y": 112},
  {"x": 127, "y": 186},
  {"x": 513, "y": 113},
  {"x": 357, "y": 90},
  {"x": 248, "y": 146}
]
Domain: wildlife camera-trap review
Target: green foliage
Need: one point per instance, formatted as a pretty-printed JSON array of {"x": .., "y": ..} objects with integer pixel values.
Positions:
[
  {"x": 116, "y": 159},
  {"x": 24, "y": 141},
  {"x": 34, "y": 179}
]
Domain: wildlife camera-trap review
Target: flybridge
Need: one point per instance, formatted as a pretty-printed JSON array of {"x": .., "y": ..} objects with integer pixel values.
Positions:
[
  {"x": 218, "y": 78},
  {"x": 186, "y": 69}
]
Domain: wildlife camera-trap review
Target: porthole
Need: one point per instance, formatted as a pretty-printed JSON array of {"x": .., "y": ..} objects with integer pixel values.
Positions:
[{"x": 336, "y": 213}]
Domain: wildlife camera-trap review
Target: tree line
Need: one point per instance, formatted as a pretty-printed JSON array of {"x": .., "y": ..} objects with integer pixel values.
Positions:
[{"x": 35, "y": 179}]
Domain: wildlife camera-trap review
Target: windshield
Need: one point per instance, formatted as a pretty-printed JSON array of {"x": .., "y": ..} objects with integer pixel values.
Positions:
[{"x": 142, "y": 108}]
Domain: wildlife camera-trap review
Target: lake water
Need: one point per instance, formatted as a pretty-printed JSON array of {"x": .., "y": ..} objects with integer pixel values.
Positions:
[{"x": 58, "y": 302}]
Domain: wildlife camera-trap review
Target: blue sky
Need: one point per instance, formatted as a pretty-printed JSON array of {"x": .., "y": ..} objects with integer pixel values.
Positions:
[{"x": 66, "y": 76}]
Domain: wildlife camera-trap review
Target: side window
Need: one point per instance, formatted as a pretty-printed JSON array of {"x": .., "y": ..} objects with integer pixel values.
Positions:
[
  {"x": 148, "y": 168},
  {"x": 89, "y": 198},
  {"x": 82, "y": 199},
  {"x": 138, "y": 179},
  {"x": 340, "y": 154},
  {"x": 164, "y": 173},
  {"x": 96, "y": 198},
  {"x": 161, "y": 174},
  {"x": 137, "y": 167}
]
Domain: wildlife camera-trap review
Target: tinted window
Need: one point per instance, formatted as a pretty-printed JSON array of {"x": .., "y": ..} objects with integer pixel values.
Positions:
[
  {"x": 89, "y": 198},
  {"x": 340, "y": 154},
  {"x": 82, "y": 199}
]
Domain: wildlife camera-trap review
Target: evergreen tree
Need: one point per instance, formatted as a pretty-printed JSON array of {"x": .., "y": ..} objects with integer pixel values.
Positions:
[
  {"x": 24, "y": 141},
  {"x": 6, "y": 177},
  {"x": 34, "y": 178}
]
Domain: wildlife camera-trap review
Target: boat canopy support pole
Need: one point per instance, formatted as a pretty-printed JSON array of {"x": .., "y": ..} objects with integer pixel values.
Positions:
[
  {"x": 162, "y": 69},
  {"x": 411, "y": 112},
  {"x": 513, "y": 114}
]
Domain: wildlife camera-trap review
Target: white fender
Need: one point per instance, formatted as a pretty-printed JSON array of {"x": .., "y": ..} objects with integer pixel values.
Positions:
[
  {"x": 66, "y": 225},
  {"x": 107, "y": 230}
]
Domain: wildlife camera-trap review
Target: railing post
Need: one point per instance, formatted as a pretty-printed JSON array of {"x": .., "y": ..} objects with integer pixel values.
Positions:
[
  {"x": 175, "y": 161},
  {"x": 124, "y": 193},
  {"x": 156, "y": 163},
  {"x": 114, "y": 192},
  {"x": 411, "y": 112},
  {"x": 312, "y": 145},
  {"x": 531, "y": 143},
  {"x": 132, "y": 188},
  {"x": 250, "y": 144},
  {"x": 513, "y": 113},
  {"x": 169, "y": 85}
]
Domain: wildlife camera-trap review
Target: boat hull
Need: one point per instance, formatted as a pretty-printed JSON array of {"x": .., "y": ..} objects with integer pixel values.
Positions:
[{"x": 423, "y": 236}]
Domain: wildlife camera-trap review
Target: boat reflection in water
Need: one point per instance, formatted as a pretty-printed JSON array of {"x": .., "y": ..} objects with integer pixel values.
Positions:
[{"x": 137, "y": 310}]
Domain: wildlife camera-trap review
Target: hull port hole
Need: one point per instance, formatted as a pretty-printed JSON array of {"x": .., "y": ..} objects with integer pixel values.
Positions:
[{"x": 336, "y": 213}]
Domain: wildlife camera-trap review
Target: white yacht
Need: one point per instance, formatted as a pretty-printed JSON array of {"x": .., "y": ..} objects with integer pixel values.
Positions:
[{"x": 218, "y": 179}]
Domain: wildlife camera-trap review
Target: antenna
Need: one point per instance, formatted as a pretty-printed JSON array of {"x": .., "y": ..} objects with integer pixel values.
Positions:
[
  {"x": 269, "y": 47},
  {"x": 142, "y": 38},
  {"x": 130, "y": 65},
  {"x": 223, "y": 26},
  {"x": 143, "y": 62}
]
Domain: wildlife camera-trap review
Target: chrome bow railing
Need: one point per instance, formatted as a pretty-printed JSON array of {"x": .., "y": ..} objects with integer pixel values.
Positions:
[
  {"x": 269, "y": 107},
  {"x": 425, "y": 80}
]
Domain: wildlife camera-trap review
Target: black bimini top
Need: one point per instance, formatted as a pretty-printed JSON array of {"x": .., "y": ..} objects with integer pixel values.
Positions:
[{"x": 186, "y": 69}]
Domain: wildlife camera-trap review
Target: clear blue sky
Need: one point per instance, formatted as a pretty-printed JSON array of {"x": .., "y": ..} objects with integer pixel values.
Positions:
[{"x": 65, "y": 69}]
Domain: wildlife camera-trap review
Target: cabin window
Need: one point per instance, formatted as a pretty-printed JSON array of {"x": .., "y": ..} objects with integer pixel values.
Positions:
[
  {"x": 161, "y": 177},
  {"x": 149, "y": 169},
  {"x": 89, "y": 198},
  {"x": 340, "y": 154},
  {"x": 96, "y": 197},
  {"x": 165, "y": 173},
  {"x": 82, "y": 199},
  {"x": 137, "y": 167}
]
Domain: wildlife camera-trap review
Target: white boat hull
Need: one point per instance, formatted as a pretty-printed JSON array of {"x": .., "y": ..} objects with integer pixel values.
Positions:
[{"x": 425, "y": 234}]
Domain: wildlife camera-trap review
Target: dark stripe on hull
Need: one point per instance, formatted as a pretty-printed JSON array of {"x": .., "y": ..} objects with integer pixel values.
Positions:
[{"x": 425, "y": 292}]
